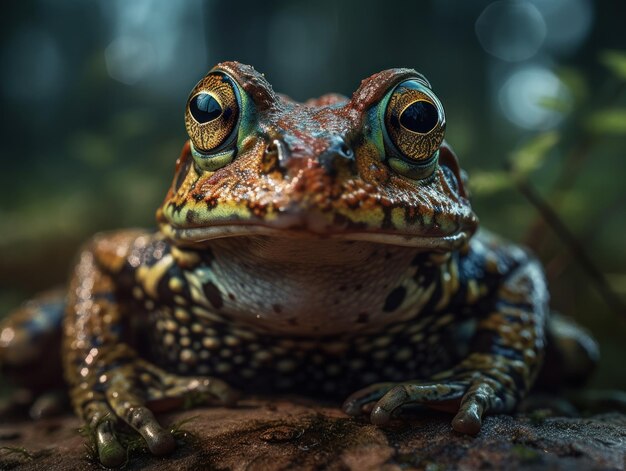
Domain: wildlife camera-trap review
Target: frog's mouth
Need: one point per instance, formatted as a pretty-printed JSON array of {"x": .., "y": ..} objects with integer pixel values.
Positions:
[{"x": 294, "y": 228}]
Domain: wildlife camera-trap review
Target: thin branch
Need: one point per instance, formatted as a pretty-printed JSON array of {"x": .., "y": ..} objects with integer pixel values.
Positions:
[{"x": 576, "y": 249}]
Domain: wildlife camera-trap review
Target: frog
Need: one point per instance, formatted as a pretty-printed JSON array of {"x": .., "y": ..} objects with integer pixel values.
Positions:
[{"x": 327, "y": 247}]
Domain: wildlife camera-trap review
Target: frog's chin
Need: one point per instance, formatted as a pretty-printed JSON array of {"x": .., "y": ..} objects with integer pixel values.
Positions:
[{"x": 198, "y": 236}]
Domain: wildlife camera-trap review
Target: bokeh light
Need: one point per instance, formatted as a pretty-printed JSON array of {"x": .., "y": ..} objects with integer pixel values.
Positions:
[
  {"x": 511, "y": 30},
  {"x": 522, "y": 95}
]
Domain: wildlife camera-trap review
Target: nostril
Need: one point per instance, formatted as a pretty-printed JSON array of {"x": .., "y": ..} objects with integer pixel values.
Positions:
[
  {"x": 337, "y": 151},
  {"x": 346, "y": 151},
  {"x": 279, "y": 149}
]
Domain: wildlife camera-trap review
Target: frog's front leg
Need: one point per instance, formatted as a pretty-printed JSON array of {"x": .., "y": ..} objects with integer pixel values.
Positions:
[
  {"x": 108, "y": 381},
  {"x": 503, "y": 361}
]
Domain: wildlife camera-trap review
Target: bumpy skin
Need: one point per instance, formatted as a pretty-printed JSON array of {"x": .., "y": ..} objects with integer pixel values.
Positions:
[{"x": 307, "y": 260}]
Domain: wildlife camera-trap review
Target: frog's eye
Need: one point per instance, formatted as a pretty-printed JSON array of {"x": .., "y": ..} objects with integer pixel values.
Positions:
[
  {"x": 211, "y": 120},
  {"x": 415, "y": 123}
]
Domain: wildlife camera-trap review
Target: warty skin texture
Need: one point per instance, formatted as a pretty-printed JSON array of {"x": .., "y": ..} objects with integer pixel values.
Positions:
[{"x": 299, "y": 250}]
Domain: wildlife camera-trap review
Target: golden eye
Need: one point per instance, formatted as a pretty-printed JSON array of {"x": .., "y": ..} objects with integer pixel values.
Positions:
[
  {"x": 415, "y": 121},
  {"x": 212, "y": 112}
]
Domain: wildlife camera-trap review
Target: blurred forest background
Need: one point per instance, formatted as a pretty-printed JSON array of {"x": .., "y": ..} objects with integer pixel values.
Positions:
[{"x": 93, "y": 94}]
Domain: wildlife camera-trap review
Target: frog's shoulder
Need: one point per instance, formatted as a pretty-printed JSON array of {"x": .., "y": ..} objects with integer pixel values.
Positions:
[
  {"x": 115, "y": 249},
  {"x": 487, "y": 241},
  {"x": 493, "y": 254}
]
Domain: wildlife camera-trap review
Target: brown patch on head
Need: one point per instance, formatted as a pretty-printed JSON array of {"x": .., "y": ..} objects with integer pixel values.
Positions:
[
  {"x": 313, "y": 168},
  {"x": 252, "y": 82},
  {"x": 373, "y": 88}
]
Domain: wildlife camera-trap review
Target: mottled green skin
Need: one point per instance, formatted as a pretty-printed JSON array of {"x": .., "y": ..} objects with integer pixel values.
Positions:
[{"x": 305, "y": 259}]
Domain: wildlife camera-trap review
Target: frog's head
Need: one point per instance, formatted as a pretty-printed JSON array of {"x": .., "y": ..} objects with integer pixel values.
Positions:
[{"x": 372, "y": 168}]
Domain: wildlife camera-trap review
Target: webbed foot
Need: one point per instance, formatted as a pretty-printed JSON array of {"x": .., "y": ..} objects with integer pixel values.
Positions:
[
  {"x": 468, "y": 392},
  {"x": 129, "y": 394}
]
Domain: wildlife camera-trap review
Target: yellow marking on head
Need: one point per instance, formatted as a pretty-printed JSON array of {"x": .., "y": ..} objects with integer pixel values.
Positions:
[{"x": 397, "y": 217}]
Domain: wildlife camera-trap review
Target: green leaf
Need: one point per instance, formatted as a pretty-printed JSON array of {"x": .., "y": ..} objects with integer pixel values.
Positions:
[
  {"x": 486, "y": 183},
  {"x": 607, "y": 121},
  {"x": 575, "y": 82},
  {"x": 615, "y": 61},
  {"x": 531, "y": 155},
  {"x": 555, "y": 104}
]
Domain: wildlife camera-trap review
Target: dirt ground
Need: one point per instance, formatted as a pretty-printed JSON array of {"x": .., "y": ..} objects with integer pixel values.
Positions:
[{"x": 298, "y": 434}]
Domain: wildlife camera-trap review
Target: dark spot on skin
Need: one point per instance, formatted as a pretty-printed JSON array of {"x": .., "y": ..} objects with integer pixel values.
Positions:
[
  {"x": 292, "y": 321},
  {"x": 394, "y": 299},
  {"x": 211, "y": 203},
  {"x": 342, "y": 288},
  {"x": 358, "y": 287},
  {"x": 387, "y": 222},
  {"x": 213, "y": 295},
  {"x": 387, "y": 255},
  {"x": 197, "y": 197},
  {"x": 277, "y": 308},
  {"x": 191, "y": 215},
  {"x": 413, "y": 216},
  {"x": 231, "y": 296},
  {"x": 363, "y": 318}
]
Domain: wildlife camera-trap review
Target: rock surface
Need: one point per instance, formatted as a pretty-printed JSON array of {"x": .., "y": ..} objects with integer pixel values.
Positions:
[{"x": 298, "y": 434}]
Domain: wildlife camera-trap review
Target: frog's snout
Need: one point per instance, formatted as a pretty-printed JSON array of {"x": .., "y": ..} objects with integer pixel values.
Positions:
[{"x": 337, "y": 152}]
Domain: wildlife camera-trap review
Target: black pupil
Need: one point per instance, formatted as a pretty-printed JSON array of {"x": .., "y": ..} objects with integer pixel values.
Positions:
[
  {"x": 420, "y": 116},
  {"x": 204, "y": 108}
]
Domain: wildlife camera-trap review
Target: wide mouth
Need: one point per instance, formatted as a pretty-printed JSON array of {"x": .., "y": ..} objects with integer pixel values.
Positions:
[{"x": 200, "y": 235}]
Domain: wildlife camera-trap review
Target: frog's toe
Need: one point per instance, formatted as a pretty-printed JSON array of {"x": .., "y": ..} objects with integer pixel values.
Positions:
[
  {"x": 131, "y": 408},
  {"x": 479, "y": 398},
  {"x": 102, "y": 421},
  {"x": 110, "y": 451},
  {"x": 362, "y": 401},
  {"x": 431, "y": 394},
  {"x": 131, "y": 392}
]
